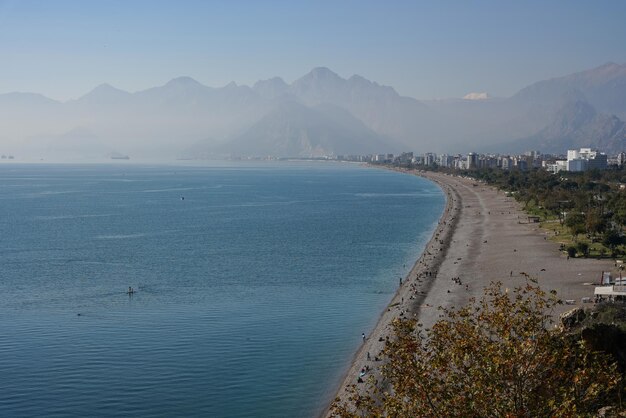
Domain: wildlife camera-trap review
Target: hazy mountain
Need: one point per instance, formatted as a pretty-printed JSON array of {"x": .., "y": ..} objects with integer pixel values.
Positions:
[
  {"x": 179, "y": 91},
  {"x": 577, "y": 124},
  {"x": 162, "y": 121},
  {"x": 77, "y": 144},
  {"x": 26, "y": 114},
  {"x": 319, "y": 113},
  {"x": 18, "y": 99},
  {"x": 380, "y": 108},
  {"x": 103, "y": 95},
  {"x": 604, "y": 87},
  {"x": 461, "y": 125},
  {"x": 183, "y": 114},
  {"x": 272, "y": 89},
  {"x": 292, "y": 129},
  {"x": 537, "y": 111}
]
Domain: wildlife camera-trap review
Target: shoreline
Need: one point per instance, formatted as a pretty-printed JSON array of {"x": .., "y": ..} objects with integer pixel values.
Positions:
[
  {"x": 480, "y": 238},
  {"x": 410, "y": 295}
]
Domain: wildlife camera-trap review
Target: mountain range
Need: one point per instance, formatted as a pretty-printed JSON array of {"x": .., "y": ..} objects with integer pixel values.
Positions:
[{"x": 319, "y": 114}]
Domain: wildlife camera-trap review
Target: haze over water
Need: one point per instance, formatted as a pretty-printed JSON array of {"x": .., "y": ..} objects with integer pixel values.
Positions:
[{"x": 252, "y": 292}]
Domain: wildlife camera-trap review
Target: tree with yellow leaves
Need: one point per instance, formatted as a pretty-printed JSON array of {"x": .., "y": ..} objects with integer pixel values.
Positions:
[{"x": 496, "y": 357}]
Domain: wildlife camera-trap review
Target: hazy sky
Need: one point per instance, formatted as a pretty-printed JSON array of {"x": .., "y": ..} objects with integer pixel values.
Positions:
[{"x": 425, "y": 49}]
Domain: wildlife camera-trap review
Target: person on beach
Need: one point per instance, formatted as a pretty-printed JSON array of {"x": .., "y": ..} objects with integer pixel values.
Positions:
[{"x": 363, "y": 336}]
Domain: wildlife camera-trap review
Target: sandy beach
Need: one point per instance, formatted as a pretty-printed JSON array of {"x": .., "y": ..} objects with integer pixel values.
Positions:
[{"x": 482, "y": 236}]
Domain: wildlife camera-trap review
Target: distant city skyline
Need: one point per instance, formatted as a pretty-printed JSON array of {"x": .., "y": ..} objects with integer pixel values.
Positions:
[{"x": 426, "y": 50}]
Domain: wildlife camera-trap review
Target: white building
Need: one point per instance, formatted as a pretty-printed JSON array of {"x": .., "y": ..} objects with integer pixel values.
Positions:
[
  {"x": 430, "y": 158},
  {"x": 472, "y": 161},
  {"x": 585, "y": 159},
  {"x": 558, "y": 165},
  {"x": 506, "y": 163}
]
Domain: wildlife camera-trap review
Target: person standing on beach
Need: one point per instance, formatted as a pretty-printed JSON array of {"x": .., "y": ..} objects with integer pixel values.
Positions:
[{"x": 363, "y": 336}]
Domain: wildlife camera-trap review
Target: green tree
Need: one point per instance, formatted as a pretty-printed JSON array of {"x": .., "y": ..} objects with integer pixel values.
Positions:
[
  {"x": 594, "y": 223},
  {"x": 583, "y": 248},
  {"x": 612, "y": 239},
  {"x": 576, "y": 223},
  {"x": 493, "y": 358},
  {"x": 571, "y": 251}
]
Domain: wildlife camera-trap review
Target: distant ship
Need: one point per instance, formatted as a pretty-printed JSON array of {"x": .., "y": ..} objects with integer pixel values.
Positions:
[{"x": 119, "y": 157}]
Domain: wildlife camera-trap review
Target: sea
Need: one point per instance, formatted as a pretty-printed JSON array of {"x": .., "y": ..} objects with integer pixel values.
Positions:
[{"x": 253, "y": 282}]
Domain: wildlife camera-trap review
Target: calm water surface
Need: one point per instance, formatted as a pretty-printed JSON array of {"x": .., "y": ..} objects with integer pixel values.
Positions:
[{"x": 252, "y": 291}]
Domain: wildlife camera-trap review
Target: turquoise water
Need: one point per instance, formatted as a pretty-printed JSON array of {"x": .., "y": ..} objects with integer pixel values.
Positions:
[{"x": 252, "y": 291}]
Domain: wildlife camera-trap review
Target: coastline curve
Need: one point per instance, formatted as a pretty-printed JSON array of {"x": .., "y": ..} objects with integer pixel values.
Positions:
[{"x": 410, "y": 296}]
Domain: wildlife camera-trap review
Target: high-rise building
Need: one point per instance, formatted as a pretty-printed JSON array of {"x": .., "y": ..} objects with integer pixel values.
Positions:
[{"x": 472, "y": 161}]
